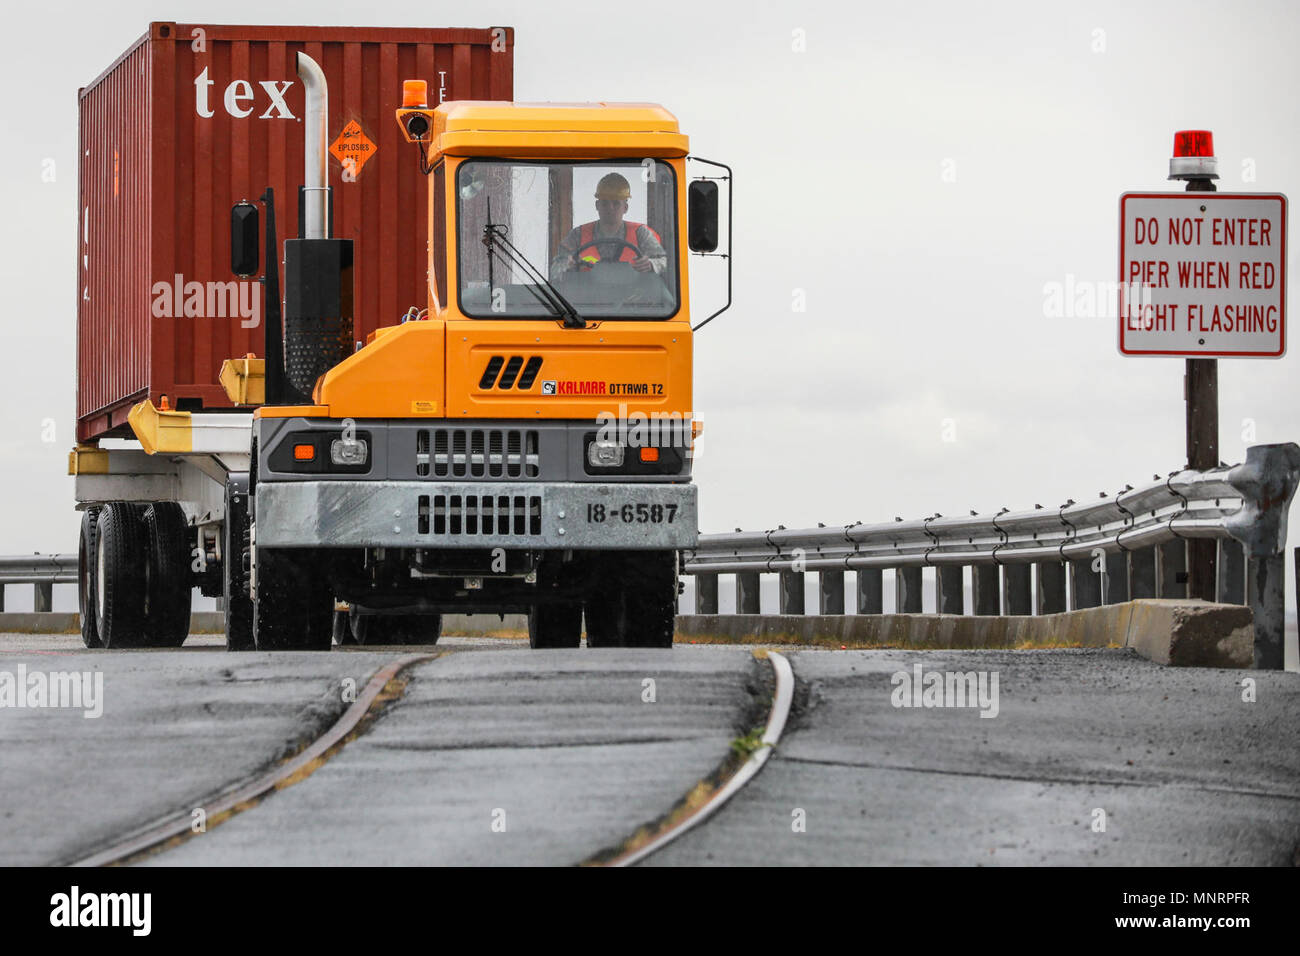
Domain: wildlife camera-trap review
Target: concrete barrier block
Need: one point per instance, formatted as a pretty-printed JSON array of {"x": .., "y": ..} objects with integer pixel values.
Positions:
[
  {"x": 1188, "y": 633},
  {"x": 1182, "y": 633}
]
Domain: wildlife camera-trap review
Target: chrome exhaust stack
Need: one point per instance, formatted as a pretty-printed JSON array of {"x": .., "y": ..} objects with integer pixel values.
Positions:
[
  {"x": 317, "y": 267},
  {"x": 315, "y": 177}
]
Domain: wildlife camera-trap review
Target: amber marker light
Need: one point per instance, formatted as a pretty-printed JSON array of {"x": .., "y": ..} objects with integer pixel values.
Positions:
[
  {"x": 649, "y": 454},
  {"x": 415, "y": 94},
  {"x": 304, "y": 452}
]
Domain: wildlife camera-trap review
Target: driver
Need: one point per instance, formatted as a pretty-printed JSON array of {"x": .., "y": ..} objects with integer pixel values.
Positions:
[{"x": 613, "y": 236}]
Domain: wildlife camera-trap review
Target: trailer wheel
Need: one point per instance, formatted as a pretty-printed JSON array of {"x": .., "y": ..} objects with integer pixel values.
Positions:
[
  {"x": 650, "y": 596},
  {"x": 167, "y": 590},
  {"x": 294, "y": 603},
  {"x": 555, "y": 625},
  {"x": 119, "y": 575},
  {"x": 238, "y": 606},
  {"x": 86, "y": 578}
]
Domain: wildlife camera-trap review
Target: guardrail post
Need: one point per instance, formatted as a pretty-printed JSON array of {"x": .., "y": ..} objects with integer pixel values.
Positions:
[
  {"x": 1085, "y": 584},
  {"x": 1018, "y": 588},
  {"x": 871, "y": 591},
  {"x": 2, "y": 598},
  {"x": 1116, "y": 581},
  {"x": 747, "y": 592},
  {"x": 44, "y": 597},
  {"x": 830, "y": 592},
  {"x": 984, "y": 582},
  {"x": 1171, "y": 564},
  {"x": 1267, "y": 592},
  {"x": 1231, "y": 565},
  {"x": 791, "y": 592},
  {"x": 706, "y": 594},
  {"x": 907, "y": 590},
  {"x": 1142, "y": 573},
  {"x": 1051, "y": 587},
  {"x": 948, "y": 596},
  {"x": 1267, "y": 483}
]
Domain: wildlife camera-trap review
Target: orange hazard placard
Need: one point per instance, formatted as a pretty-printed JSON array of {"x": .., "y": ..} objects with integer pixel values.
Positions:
[{"x": 352, "y": 149}]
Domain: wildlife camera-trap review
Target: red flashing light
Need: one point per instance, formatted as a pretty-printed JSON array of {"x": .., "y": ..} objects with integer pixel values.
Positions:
[{"x": 1193, "y": 142}]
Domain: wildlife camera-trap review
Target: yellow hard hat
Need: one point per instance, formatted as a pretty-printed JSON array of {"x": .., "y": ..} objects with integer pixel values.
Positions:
[{"x": 613, "y": 186}]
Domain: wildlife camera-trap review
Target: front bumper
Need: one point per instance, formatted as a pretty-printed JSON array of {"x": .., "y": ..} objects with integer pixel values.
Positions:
[{"x": 419, "y": 514}]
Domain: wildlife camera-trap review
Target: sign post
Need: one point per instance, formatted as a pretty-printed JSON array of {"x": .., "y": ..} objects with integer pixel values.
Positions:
[{"x": 1203, "y": 276}]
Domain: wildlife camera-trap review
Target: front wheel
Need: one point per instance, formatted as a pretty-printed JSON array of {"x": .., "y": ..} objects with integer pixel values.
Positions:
[
  {"x": 238, "y": 606},
  {"x": 294, "y": 605},
  {"x": 555, "y": 625}
]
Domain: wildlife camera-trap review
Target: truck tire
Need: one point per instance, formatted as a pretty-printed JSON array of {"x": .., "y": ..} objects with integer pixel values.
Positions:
[
  {"x": 119, "y": 575},
  {"x": 376, "y": 629},
  {"x": 294, "y": 605},
  {"x": 555, "y": 625},
  {"x": 604, "y": 613},
  {"x": 238, "y": 606},
  {"x": 650, "y": 598},
  {"x": 86, "y": 578},
  {"x": 167, "y": 590}
]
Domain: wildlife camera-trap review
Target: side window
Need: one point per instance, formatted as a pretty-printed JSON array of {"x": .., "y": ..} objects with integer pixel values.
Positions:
[{"x": 438, "y": 241}]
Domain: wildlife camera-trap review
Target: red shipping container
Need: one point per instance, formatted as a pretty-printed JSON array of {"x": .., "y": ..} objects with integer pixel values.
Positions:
[{"x": 194, "y": 118}]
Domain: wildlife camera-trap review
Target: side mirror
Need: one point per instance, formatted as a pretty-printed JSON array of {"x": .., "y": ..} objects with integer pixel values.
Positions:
[
  {"x": 702, "y": 216},
  {"x": 244, "y": 239}
]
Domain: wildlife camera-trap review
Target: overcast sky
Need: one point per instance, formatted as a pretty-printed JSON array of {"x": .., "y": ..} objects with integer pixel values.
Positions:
[{"x": 917, "y": 174}]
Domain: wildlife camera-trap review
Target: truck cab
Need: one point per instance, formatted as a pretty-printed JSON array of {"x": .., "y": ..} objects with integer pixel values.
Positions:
[{"x": 523, "y": 443}]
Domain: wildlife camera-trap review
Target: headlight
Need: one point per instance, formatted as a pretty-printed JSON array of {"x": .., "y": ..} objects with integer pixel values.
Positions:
[
  {"x": 605, "y": 454},
  {"x": 354, "y": 452}
]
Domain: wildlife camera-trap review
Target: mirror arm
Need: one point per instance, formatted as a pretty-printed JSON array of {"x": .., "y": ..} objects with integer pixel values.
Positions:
[{"x": 728, "y": 255}]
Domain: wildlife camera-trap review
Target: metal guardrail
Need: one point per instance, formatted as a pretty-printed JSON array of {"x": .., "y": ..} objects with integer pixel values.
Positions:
[
  {"x": 43, "y": 571},
  {"x": 1114, "y": 549},
  {"x": 1128, "y": 545}
]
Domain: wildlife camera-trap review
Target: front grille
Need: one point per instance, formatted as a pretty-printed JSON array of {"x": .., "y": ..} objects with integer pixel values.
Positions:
[
  {"x": 519, "y": 515},
  {"x": 477, "y": 453}
]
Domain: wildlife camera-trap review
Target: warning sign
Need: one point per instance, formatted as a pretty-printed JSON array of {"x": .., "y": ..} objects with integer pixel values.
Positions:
[
  {"x": 352, "y": 149},
  {"x": 1202, "y": 274}
]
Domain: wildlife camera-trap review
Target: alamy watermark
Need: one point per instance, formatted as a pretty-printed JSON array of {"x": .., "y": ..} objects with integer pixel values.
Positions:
[
  {"x": 208, "y": 300},
  {"x": 1088, "y": 299},
  {"x": 647, "y": 429},
  {"x": 78, "y": 690},
  {"x": 921, "y": 688}
]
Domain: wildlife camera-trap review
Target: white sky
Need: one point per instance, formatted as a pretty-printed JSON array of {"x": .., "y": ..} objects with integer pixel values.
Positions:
[{"x": 925, "y": 297}]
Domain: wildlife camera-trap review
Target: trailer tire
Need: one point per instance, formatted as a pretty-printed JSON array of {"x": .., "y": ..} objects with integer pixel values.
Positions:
[
  {"x": 167, "y": 590},
  {"x": 238, "y": 606},
  {"x": 119, "y": 575},
  {"x": 86, "y": 578},
  {"x": 294, "y": 604},
  {"x": 555, "y": 626},
  {"x": 650, "y": 598}
]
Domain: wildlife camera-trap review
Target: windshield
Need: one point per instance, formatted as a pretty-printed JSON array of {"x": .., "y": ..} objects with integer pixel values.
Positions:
[{"x": 603, "y": 234}]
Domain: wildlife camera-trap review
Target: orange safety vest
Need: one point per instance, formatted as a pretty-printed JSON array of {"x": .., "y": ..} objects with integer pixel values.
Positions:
[{"x": 587, "y": 233}]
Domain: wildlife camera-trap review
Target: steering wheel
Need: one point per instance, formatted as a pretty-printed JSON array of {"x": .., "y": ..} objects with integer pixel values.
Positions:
[{"x": 577, "y": 255}]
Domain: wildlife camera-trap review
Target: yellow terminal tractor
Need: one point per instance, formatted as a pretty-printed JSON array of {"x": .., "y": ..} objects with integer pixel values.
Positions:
[{"x": 523, "y": 442}]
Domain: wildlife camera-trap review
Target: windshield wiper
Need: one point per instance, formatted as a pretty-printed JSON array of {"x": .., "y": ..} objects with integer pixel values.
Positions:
[{"x": 494, "y": 238}]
